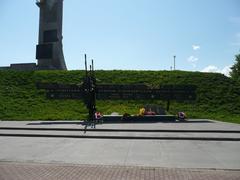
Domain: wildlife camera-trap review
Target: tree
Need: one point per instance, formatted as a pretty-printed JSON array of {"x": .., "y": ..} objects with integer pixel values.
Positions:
[{"x": 235, "y": 73}]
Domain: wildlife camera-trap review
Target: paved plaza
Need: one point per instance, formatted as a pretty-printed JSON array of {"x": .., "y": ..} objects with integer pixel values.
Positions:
[
  {"x": 121, "y": 158},
  {"x": 30, "y": 171}
]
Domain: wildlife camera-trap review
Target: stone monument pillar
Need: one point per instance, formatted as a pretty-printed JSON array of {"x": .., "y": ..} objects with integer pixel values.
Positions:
[{"x": 49, "y": 52}]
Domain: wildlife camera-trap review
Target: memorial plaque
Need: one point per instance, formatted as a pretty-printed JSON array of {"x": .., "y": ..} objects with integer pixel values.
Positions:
[
  {"x": 50, "y": 36},
  {"x": 44, "y": 51},
  {"x": 121, "y": 92},
  {"x": 134, "y": 92},
  {"x": 61, "y": 91}
]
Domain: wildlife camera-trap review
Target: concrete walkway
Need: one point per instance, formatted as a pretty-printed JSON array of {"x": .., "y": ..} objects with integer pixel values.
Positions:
[
  {"x": 147, "y": 153},
  {"x": 203, "y": 124}
]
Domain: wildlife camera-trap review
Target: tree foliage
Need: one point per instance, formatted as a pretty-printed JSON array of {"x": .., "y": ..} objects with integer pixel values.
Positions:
[{"x": 235, "y": 73}]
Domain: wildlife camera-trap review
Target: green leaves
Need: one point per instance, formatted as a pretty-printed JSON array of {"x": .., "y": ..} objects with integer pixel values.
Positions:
[{"x": 235, "y": 74}]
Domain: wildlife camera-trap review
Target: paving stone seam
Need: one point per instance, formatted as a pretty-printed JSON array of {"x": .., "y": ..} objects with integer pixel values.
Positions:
[{"x": 35, "y": 163}]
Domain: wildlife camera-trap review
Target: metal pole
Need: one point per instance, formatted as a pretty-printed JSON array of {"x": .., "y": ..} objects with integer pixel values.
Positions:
[
  {"x": 92, "y": 65},
  {"x": 174, "y": 63},
  {"x": 85, "y": 55},
  {"x": 92, "y": 73}
]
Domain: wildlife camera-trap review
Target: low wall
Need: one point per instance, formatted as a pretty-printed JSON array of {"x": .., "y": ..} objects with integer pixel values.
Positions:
[
  {"x": 21, "y": 67},
  {"x": 24, "y": 66},
  {"x": 138, "y": 119}
]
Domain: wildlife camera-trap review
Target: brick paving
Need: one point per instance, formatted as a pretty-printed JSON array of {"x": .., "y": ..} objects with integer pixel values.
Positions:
[{"x": 35, "y": 171}]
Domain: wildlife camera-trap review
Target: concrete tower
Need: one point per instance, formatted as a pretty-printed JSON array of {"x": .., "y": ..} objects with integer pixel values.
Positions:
[{"x": 49, "y": 52}]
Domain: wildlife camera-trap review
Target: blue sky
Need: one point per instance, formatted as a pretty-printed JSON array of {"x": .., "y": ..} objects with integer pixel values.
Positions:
[{"x": 130, "y": 34}]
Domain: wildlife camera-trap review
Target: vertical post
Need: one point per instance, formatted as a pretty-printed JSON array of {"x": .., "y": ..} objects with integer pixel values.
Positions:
[
  {"x": 90, "y": 94},
  {"x": 92, "y": 65},
  {"x": 174, "y": 62},
  {"x": 93, "y": 74},
  {"x": 85, "y": 56}
]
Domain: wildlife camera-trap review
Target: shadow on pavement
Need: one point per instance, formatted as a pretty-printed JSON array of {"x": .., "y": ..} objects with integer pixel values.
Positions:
[{"x": 55, "y": 123}]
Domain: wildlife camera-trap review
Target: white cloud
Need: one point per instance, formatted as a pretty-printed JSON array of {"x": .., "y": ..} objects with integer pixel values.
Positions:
[
  {"x": 193, "y": 60},
  {"x": 226, "y": 70},
  {"x": 195, "y": 47},
  {"x": 211, "y": 68}
]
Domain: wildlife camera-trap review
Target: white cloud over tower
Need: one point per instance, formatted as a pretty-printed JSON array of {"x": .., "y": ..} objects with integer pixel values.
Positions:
[{"x": 195, "y": 47}]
